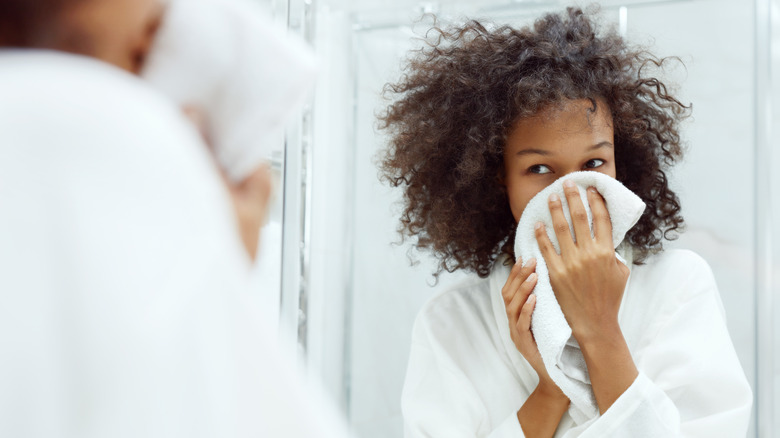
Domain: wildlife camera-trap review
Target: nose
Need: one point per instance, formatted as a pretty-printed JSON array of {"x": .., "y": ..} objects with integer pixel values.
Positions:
[{"x": 572, "y": 170}]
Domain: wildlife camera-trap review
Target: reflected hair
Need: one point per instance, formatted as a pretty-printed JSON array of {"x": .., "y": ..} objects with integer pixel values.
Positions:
[
  {"x": 451, "y": 111},
  {"x": 30, "y": 23}
]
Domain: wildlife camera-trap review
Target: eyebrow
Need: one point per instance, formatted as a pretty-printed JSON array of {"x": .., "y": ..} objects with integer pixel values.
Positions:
[{"x": 603, "y": 144}]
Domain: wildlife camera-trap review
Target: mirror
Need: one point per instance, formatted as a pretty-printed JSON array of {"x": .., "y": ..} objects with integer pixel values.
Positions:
[{"x": 355, "y": 294}]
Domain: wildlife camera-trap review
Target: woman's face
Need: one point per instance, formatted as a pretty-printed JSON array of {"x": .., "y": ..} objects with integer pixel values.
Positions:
[
  {"x": 119, "y": 32},
  {"x": 556, "y": 142}
]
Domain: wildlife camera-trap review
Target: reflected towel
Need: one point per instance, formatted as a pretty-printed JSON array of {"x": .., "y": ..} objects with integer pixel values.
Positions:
[
  {"x": 227, "y": 59},
  {"x": 558, "y": 347}
]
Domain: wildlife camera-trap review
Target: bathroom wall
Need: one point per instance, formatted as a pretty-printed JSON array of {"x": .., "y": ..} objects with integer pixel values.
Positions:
[
  {"x": 770, "y": 166},
  {"x": 716, "y": 179}
]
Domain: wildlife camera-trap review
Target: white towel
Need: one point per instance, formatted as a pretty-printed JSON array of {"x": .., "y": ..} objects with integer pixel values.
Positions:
[
  {"x": 229, "y": 60},
  {"x": 558, "y": 347}
]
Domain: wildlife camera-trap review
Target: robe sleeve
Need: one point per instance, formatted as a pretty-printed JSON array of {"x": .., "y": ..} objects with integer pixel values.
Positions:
[
  {"x": 690, "y": 383},
  {"x": 439, "y": 401}
]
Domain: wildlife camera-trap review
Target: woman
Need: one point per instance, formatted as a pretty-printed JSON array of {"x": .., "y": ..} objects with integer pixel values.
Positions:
[{"x": 484, "y": 120}]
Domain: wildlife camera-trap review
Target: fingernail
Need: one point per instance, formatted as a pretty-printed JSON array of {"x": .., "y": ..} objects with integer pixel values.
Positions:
[
  {"x": 568, "y": 183},
  {"x": 519, "y": 261},
  {"x": 538, "y": 226},
  {"x": 532, "y": 298},
  {"x": 530, "y": 262},
  {"x": 592, "y": 190},
  {"x": 531, "y": 278},
  {"x": 554, "y": 198}
]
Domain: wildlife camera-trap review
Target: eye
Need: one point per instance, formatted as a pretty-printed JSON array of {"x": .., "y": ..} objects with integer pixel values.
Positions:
[
  {"x": 594, "y": 163},
  {"x": 540, "y": 169}
]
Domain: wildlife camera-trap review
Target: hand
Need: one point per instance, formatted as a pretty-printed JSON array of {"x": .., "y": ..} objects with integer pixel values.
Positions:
[
  {"x": 519, "y": 303},
  {"x": 250, "y": 200},
  {"x": 250, "y": 197},
  {"x": 542, "y": 411},
  {"x": 587, "y": 278}
]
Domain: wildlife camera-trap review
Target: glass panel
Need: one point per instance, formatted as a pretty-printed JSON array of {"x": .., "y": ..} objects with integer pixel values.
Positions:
[
  {"x": 267, "y": 275},
  {"x": 772, "y": 164}
]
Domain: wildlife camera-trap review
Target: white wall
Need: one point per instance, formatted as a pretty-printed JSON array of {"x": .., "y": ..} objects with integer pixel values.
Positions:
[{"x": 716, "y": 180}]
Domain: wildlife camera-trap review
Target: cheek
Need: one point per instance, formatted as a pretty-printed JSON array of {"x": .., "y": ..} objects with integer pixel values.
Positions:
[
  {"x": 610, "y": 169},
  {"x": 107, "y": 44},
  {"x": 520, "y": 191},
  {"x": 120, "y": 56},
  {"x": 124, "y": 52},
  {"x": 125, "y": 41}
]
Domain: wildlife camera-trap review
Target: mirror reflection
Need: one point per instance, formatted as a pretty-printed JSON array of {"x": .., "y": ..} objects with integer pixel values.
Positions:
[{"x": 384, "y": 293}]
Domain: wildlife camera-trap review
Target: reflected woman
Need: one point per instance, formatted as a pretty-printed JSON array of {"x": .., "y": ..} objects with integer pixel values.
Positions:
[{"x": 482, "y": 121}]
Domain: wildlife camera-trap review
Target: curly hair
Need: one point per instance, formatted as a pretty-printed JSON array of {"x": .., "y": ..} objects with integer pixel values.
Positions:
[{"x": 451, "y": 111}]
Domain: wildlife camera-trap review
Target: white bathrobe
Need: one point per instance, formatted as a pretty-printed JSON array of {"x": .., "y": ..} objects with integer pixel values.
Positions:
[
  {"x": 123, "y": 302},
  {"x": 467, "y": 379}
]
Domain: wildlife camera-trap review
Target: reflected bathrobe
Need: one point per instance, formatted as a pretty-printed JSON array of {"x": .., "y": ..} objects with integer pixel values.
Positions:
[{"x": 466, "y": 378}]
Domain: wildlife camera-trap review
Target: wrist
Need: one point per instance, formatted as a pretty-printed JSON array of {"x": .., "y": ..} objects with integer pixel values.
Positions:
[
  {"x": 598, "y": 336},
  {"x": 610, "y": 366},
  {"x": 550, "y": 391},
  {"x": 542, "y": 411}
]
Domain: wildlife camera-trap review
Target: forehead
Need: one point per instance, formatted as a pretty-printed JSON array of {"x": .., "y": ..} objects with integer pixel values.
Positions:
[{"x": 567, "y": 124}]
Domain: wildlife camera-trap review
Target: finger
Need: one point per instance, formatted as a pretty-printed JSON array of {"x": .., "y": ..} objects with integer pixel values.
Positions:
[
  {"x": 545, "y": 245},
  {"x": 524, "y": 273},
  {"x": 579, "y": 216},
  {"x": 513, "y": 285},
  {"x": 560, "y": 226},
  {"x": 524, "y": 319},
  {"x": 602, "y": 225},
  {"x": 513, "y": 309},
  {"x": 507, "y": 291}
]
